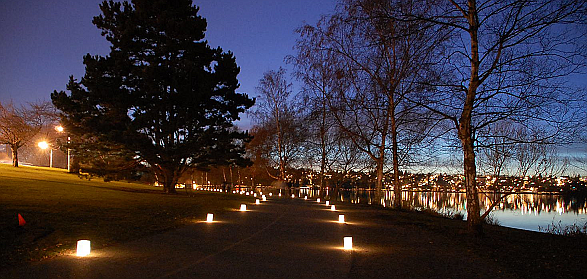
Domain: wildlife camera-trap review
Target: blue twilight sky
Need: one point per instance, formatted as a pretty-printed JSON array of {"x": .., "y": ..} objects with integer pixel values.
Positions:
[{"x": 43, "y": 41}]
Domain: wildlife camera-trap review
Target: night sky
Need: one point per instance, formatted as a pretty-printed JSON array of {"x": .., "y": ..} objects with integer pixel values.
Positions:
[{"x": 43, "y": 42}]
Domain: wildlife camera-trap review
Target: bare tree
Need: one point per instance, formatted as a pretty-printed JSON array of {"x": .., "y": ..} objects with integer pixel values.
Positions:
[
  {"x": 20, "y": 125},
  {"x": 314, "y": 69},
  {"x": 278, "y": 121},
  {"x": 527, "y": 154},
  {"x": 504, "y": 61},
  {"x": 372, "y": 64},
  {"x": 497, "y": 152},
  {"x": 551, "y": 163},
  {"x": 345, "y": 158}
]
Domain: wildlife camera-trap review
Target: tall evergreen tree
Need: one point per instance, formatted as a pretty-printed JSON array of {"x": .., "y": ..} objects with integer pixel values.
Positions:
[{"x": 162, "y": 92}]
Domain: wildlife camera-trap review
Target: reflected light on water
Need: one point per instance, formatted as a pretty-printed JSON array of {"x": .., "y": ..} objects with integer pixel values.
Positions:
[{"x": 532, "y": 210}]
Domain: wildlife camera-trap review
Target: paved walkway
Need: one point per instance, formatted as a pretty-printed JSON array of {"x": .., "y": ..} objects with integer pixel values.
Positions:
[{"x": 280, "y": 238}]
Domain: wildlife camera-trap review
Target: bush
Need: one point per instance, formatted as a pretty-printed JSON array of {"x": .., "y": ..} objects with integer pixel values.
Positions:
[{"x": 573, "y": 230}]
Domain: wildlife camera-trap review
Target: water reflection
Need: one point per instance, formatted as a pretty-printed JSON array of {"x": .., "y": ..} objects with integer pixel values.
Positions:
[{"x": 525, "y": 211}]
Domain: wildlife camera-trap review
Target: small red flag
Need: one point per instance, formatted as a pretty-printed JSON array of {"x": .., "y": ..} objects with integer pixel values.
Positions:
[{"x": 21, "y": 221}]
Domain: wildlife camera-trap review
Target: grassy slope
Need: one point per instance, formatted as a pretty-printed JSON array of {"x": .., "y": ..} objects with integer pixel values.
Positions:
[{"x": 61, "y": 208}]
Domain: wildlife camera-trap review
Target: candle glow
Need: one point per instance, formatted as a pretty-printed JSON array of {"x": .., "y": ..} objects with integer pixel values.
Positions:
[
  {"x": 83, "y": 248},
  {"x": 348, "y": 242}
]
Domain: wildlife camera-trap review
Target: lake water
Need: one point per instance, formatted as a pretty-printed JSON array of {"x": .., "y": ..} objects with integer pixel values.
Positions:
[{"x": 523, "y": 211}]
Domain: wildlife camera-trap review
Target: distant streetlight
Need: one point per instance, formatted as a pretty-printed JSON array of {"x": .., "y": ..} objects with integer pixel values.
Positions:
[
  {"x": 59, "y": 129},
  {"x": 44, "y": 145}
]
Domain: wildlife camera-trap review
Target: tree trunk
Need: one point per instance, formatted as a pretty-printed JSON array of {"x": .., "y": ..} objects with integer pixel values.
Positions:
[
  {"x": 170, "y": 185},
  {"x": 474, "y": 221},
  {"x": 323, "y": 142},
  {"x": 397, "y": 189},
  {"x": 14, "y": 156},
  {"x": 379, "y": 183},
  {"x": 323, "y": 157},
  {"x": 170, "y": 179},
  {"x": 231, "y": 181},
  {"x": 465, "y": 131}
]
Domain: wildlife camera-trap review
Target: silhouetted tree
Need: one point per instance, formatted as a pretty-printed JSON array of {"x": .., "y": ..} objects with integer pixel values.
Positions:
[{"x": 162, "y": 92}]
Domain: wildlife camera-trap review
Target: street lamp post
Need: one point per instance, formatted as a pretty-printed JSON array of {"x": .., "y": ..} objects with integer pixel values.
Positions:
[
  {"x": 44, "y": 145},
  {"x": 69, "y": 160},
  {"x": 60, "y": 130}
]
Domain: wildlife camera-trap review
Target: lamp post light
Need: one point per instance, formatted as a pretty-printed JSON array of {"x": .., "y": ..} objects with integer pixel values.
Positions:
[{"x": 44, "y": 145}]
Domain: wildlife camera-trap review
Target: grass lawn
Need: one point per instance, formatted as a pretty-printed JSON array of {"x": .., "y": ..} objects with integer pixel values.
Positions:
[{"x": 61, "y": 208}]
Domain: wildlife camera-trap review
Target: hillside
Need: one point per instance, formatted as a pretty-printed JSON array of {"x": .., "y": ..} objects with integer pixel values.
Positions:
[{"x": 60, "y": 208}]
